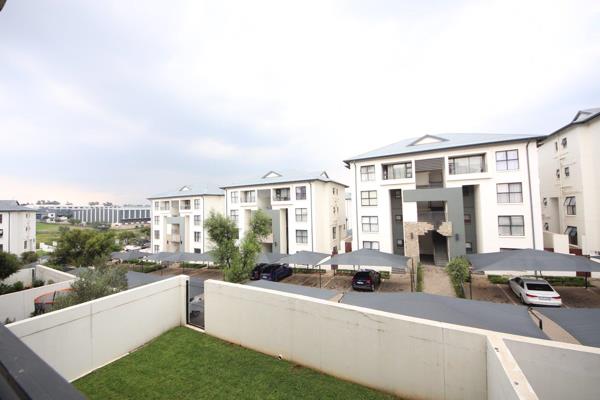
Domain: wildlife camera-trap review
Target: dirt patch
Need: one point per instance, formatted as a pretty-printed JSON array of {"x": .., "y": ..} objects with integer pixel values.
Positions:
[
  {"x": 396, "y": 283},
  {"x": 579, "y": 297},
  {"x": 484, "y": 290},
  {"x": 341, "y": 283},
  {"x": 437, "y": 281}
]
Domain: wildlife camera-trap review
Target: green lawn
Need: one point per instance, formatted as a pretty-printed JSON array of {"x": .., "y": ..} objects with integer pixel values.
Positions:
[
  {"x": 47, "y": 233},
  {"x": 184, "y": 364}
]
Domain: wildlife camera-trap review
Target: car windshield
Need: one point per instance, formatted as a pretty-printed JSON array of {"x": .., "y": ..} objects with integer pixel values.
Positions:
[
  {"x": 542, "y": 287},
  {"x": 362, "y": 275}
]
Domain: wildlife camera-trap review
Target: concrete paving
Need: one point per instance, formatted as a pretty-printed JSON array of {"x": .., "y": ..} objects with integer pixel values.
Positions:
[{"x": 437, "y": 281}]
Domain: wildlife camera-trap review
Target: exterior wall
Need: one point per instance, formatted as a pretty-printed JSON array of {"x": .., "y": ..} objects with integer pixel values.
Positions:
[
  {"x": 166, "y": 218},
  {"x": 581, "y": 158},
  {"x": 106, "y": 214},
  {"x": 82, "y": 338},
  {"x": 18, "y": 231},
  {"x": 487, "y": 209},
  {"x": 321, "y": 200}
]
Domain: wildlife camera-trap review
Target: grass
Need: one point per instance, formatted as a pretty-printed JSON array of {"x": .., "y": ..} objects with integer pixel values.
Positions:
[
  {"x": 183, "y": 364},
  {"x": 48, "y": 233}
]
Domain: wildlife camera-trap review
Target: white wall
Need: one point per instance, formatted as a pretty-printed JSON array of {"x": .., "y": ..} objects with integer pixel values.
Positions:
[
  {"x": 556, "y": 241},
  {"x": 19, "y": 305},
  {"x": 23, "y": 275},
  {"x": 79, "y": 339}
]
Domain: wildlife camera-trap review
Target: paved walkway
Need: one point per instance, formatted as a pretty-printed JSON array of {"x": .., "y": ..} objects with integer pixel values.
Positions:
[{"x": 436, "y": 281}]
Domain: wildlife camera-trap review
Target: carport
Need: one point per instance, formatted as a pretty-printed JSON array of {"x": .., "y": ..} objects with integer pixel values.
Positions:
[
  {"x": 323, "y": 294},
  {"x": 128, "y": 255},
  {"x": 308, "y": 258},
  {"x": 531, "y": 260},
  {"x": 269, "y": 258},
  {"x": 581, "y": 323},
  {"x": 506, "y": 318}
]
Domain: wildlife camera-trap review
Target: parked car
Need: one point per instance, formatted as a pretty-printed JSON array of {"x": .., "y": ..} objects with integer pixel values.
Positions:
[
  {"x": 535, "y": 291},
  {"x": 257, "y": 271},
  {"x": 367, "y": 279},
  {"x": 275, "y": 272}
]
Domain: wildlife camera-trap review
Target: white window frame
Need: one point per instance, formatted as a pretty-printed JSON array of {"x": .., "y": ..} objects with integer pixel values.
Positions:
[
  {"x": 369, "y": 223},
  {"x": 367, "y": 173}
]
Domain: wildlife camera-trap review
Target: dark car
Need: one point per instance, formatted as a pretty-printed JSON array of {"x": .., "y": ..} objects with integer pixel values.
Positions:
[
  {"x": 258, "y": 269},
  {"x": 366, "y": 280},
  {"x": 275, "y": 272}
]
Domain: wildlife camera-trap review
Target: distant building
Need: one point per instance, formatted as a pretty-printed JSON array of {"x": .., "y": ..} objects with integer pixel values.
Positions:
[
  {"x": 17, "y": 227},
  {"x": 178, "y": 218},
  {"x": 569, "y": 183},
  {"x": 112, "y": 214},
  {"x": 308, "y": 210}
]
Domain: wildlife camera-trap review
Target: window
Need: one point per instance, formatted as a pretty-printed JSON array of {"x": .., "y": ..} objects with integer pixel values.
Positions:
[
  {"x": 249, "y": 196},
  {"x": 235, "y": 197},
  {"x": 567, "y": 171},
  {"x": 197, "y": 220},
  {"x": 558, "y": 173},
  {"x": 156, "y": 248},
  {"x": 197, "y": 236},
  {"x": 281, "y": 194},
  {"x": 164, "y": 205},
  {"x": 1, "y": 233},
  {"x": 333, "y": 232},
  {"x": 467, "y": 218},
  {"x": 367, "y": 173},
  {"x": 156, "y": 234},
  {"x": 545, "y": 201},
  {"x": 156, "y": 205},
  {"x": 196, "y": 204},
  {"x": 398, "y": 171},
  {"x": 301, "y": 215},
  {"x": 397, "y": 194},
  {"x": 301, "y": 236},
  {"x": 556, "y": 146},
  {"x": 398, "y": 218},
  {"x": 370, "y": 224},
  {"x": 25, "y": 244},
  {"x": 368, "y": 198},
  {"x": 156, "y": 220},
  {"x": 186, "y": 204},
  {"x": 300, "y": 192},
  {"x": 563, "y": 142},
  {"x": 234, "y": 215},
  {"x": 509, "y": 192},
  {"x": 371, "y": 245},
  {"x": 507, "y": 160},
  {"x": 197, "y": 250},
  {"x": 571, "y": 204},
  {"x": 399, "y": 243},
  {"x": 0, "y": 218},
  {"x": 571, "y": 232},
  {"x": 466, "y": 165},
  {"x": 511, "y": 225}
]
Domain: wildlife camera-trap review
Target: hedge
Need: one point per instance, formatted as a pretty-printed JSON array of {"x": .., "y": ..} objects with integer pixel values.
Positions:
[{"x": 458, "y": 270}]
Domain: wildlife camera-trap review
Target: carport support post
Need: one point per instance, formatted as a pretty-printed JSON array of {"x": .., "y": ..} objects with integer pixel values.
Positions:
[{"x": 470, "y": 285}]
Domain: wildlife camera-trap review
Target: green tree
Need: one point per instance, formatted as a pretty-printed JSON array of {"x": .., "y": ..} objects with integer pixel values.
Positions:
[
  {"x": 93, "y": 284},
  {"x": 125, "y": 237},
  {"x": 83, "y": 248},
  {"x": 9, "y": 264},
  {"x": 223, "y": 232},
  {"x": 29, "y": 257}
]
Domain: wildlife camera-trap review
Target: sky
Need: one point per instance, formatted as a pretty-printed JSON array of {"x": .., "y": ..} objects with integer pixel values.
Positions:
[{"x": 117, "y": 101}]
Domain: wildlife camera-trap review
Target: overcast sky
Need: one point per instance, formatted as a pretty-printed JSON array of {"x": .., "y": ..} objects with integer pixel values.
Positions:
[{"x": 118, "y": 100}]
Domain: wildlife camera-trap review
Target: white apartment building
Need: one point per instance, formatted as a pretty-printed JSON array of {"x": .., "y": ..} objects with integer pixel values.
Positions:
[
  {"x": 569, "y": 186},
  {"x": 177, "y": 220},
  {"x": 437, "y": 197},
  {"x": 17, "y": 227},
  {"x": 307, "y": 210}
]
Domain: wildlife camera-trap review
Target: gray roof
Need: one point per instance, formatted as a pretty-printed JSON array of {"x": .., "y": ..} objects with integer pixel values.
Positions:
[
  {"x": 13, "y": 205},
  {"x": 304, "y": 257},
  {"x": 323, "y": 294},
  {"x": 189, "y": 191},
  {"x": 506, "y": 318},
  {"x": 441, "y": 142},
  {"x": 277, "y": 177},
  {"x": 582, "y": 117},
  {"x": 369, "y": 258},
  {"x": 531, "y": 260},
  {"x": 582, "y": 323}
]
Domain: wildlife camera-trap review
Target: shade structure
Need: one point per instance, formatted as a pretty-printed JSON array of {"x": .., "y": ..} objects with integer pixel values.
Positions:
[
  {"x": 305, "y": 258},
  {"x": 163, "y": 256},
  {"x": 318, "y": 293},
  {"x": 128, "y": 255},
  {"x": 531, "y": 260},
  {"x": 506, "y": 318},
  {"x": 269, "y": 258},
  {"x": 582, "y": 323},
  {"x": 166, "y": 256},
  {"x": 368, "y": 258}
]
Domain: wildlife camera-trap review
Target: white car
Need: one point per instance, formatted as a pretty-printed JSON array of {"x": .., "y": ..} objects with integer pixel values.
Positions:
[{"x": 535, "y": 291}]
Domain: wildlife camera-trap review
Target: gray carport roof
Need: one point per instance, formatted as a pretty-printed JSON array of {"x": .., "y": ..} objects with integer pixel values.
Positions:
[
  {"x": 180, "y": 257},
  {"x": 531, "y": 260},
  {"x": 324, "y": 294},
  {"x": 582, "y": 323},
  {"x": 506, "y": 318},
  {"x": 305, "y": 258},
  {"x": 269, "y": 258},
  {"x": 368, "y": 258},
  {"x": 128, "y": 255}
]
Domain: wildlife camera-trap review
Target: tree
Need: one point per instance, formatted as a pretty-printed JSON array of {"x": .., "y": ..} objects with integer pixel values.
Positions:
[
  {"x": 93, "y": 284},
  {"x": 238, "y": 261},
  {"x": 9, "y": 264},
  {"x": 29, "y": 257},
  {"x": 83, "y": 248},
  {"x": 126, "y": 236},
  {"x": 74, "y": 221}
]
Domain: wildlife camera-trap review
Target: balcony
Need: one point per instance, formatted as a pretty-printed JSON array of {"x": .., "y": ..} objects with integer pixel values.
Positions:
[{"x": 281, "y": 194}]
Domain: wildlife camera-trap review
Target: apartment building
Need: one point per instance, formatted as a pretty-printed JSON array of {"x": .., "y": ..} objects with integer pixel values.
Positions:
[
  {"x": 17, "y": 227},
  {"x": 307, "y": 210},
  {"x": 570, "y": 188},
  {"x": 440, "y": 196},
  {"x": 177, "y": 219}
]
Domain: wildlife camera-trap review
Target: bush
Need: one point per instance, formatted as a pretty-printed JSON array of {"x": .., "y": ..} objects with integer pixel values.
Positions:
[
  {"x": 565, "y": 280},
  {"x": 18, "y": 286},
  {"x": 38, "y": 283},
  {"x": 458, "y": 270},
  {"x": 15, "y": 287},
  {"x": 498, "y": 279},
  {"x": 9, "y": 264},
  {"x": 29, "y": 257},
  {"x": 419, "y": 278}
]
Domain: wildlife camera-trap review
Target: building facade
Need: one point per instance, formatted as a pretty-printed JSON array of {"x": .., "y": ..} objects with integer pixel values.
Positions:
[
  {"x": 177, "y": 219},
  {"x": 307, "y": 210},
  {"x": 437, "y": 197},
  {"x": 17, "y": 227},
  {"x": 570, "y": 188}
]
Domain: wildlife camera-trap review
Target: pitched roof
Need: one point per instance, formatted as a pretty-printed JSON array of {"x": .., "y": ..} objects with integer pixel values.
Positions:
[
  {"x": 13, "y": 205},
  {"x": 190, "y": 191},
  {"x": 582, "y": 117},
  {"x": 276, "y": 177},
  {"x": 429, "y": 143}
]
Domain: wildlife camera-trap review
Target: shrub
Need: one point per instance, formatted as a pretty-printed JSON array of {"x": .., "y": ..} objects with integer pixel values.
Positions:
[
  {"x": 18, "y": 286},
  {"x": 9, "y": 264},
  {"x": 308, "y": 270},
  {"x": 419, "y": 278},
  {"x": 29, "y": 257},
  {"x": 566, "y": 280},
  {"x": 458, "y": 270},
  {"x": 498, "y": 279},
  {"x": 38, "y": 283}
]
